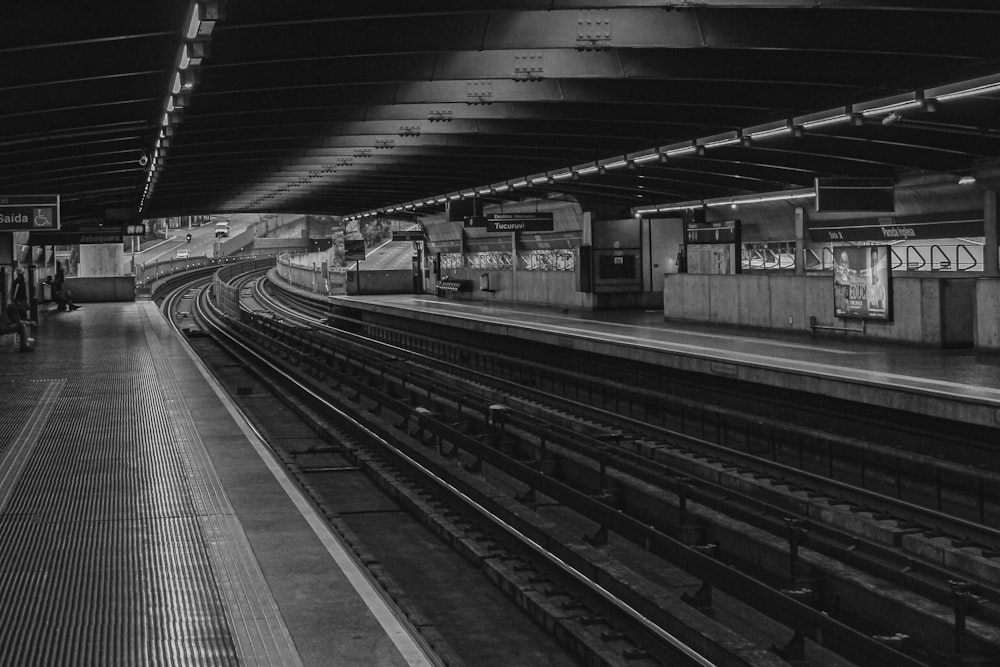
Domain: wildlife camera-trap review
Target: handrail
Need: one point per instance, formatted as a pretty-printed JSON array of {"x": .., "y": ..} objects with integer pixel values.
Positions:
[
  {"x": 910, "y": 264},
  {"x": 960, "y": 249}
]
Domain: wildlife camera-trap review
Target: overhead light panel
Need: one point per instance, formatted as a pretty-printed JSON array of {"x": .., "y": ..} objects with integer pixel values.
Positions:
[
  {"x": 193, "y": 21},
  {"x": 961, "y": 89},
  {"x": 772, "y": 130},
  {"x": 889, "y": 105},
  {"x": 649, "y": 157},
  {"x": 810, "y": 123}
]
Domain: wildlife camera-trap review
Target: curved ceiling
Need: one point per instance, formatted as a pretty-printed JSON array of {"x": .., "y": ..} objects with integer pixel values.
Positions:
[{"x": 315, "y": 107}]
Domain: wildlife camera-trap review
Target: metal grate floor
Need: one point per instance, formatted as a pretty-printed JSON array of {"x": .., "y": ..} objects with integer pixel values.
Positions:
[{"x": 117, "y": 543}]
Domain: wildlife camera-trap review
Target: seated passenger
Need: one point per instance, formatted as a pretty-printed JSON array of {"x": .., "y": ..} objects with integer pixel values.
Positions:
[
  {"x": 59, "y": 295},
  {"x": 12, "y": 323}
]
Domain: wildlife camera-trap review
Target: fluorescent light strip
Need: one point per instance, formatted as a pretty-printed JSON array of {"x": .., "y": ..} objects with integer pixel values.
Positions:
[
  {"x": 886, "y": 108},
  {"x": 770, "y": 133},
  {"x": 759, "y": 200},
  {"x": 194, "y": 22},
  {"x": 587, "y": 170},
  {"x": 681, "y": 151},
  {"x": 651, "y": 157},
  {"x": 969, "y": 92},
  {"x": 503, "y": 188},
  {"x": 821, "y": 122},
  {"x": 722, "y": 142},
  {"x": 539, "y": 179},
  {"x": 616, "y": 164},
  {"x": 564, "y": 175}
]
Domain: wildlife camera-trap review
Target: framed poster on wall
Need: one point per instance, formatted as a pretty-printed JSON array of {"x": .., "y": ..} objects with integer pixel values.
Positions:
[{"x": 862, "y": 286}]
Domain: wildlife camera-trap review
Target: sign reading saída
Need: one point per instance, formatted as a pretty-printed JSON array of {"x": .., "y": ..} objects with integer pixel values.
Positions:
[{"x": 28, "y": 212}]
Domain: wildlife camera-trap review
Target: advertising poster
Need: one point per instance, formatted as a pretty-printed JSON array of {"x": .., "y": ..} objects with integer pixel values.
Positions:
[{"x": 861, "y": 282}]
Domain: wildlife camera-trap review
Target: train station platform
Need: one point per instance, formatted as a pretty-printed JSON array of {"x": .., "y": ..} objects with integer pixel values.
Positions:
[
  {"x": 142, "y": 521},
  {"x": 959, "y": 385}
]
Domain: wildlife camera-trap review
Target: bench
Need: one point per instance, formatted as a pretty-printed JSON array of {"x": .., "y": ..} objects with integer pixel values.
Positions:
[{"x": 449, "y": 284}]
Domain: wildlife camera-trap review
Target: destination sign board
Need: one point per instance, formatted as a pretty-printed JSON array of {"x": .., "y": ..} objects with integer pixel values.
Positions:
[
  {"x": 27, "y": 212},
  {"x": 76, "y": 238},
  {"x": 519, "y": 222},
  {"x": 900, "y": 228},
  {"x": 726, "y": 231}
]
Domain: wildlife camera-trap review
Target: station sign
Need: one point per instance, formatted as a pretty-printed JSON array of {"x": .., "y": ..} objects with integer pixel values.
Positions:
[
  {"x": 29, "y": 212},
  {"x": 114, "y": 235},
  {"x": 519, "y": 222},
  {"x": 900, "y": 228},
  {"x": 725, "y": 231}
]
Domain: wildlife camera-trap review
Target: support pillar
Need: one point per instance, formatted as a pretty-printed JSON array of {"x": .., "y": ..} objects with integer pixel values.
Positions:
[
  {"x": 991, "y": 229},
  {"x": 800, "y": 241}
]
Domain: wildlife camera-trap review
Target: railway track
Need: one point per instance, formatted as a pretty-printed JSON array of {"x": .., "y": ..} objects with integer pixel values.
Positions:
[
  {"x": 476, "y": 628},
  {"x": 880, "y": 540},
  {"x": 746, "y": 541}
]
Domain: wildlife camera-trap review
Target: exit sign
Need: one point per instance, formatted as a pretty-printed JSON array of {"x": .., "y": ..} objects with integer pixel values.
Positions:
[{"x": 29, "y": 212}]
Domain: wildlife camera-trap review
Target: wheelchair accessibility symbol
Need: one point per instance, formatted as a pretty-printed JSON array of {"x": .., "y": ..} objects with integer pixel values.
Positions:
[{"x": 42, "y": 217}]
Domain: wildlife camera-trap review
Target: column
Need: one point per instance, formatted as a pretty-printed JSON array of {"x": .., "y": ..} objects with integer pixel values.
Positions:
[
  {"x": 800, "y": 241},
  {"x": 991, "y": 224}
]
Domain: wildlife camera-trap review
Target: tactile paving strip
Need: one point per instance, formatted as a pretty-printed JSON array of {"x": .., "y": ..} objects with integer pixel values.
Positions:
[
  {"x": 117, "y": 544},
  {"x": 257, "y": 627}
]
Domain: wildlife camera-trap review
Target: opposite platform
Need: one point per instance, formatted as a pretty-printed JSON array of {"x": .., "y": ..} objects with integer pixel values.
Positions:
[
  {"x": 958, "y": 385},
  {"x": 143, "y": 522}
]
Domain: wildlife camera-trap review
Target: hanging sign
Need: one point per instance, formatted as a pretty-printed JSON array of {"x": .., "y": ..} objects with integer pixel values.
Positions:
[
  {"x": 519, "y": 222},
  {"x": 27, "y": 212}
]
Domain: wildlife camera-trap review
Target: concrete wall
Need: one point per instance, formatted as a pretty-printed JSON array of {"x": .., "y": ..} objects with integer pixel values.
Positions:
[
  {"x": 95, "y": 290},
  {"x": 380, "y": 282},
  {"x": 928, "y": 311},
  {"x": 551, "y": 288},
  {"x": 987, "y": 313},
  {"x": 104, "y": 259}
]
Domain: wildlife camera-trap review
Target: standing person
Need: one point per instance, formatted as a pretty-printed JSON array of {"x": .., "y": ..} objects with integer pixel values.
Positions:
[
  {"x": 681, "y": 262},
  {"x": 19, "y": 295},
  {"x": 19, "y": 290}
]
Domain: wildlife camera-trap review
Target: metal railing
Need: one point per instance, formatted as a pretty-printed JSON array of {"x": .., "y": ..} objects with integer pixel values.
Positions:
[
  {"x": 148, "y": 273},
  {"x": 959, "y": 257}
]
